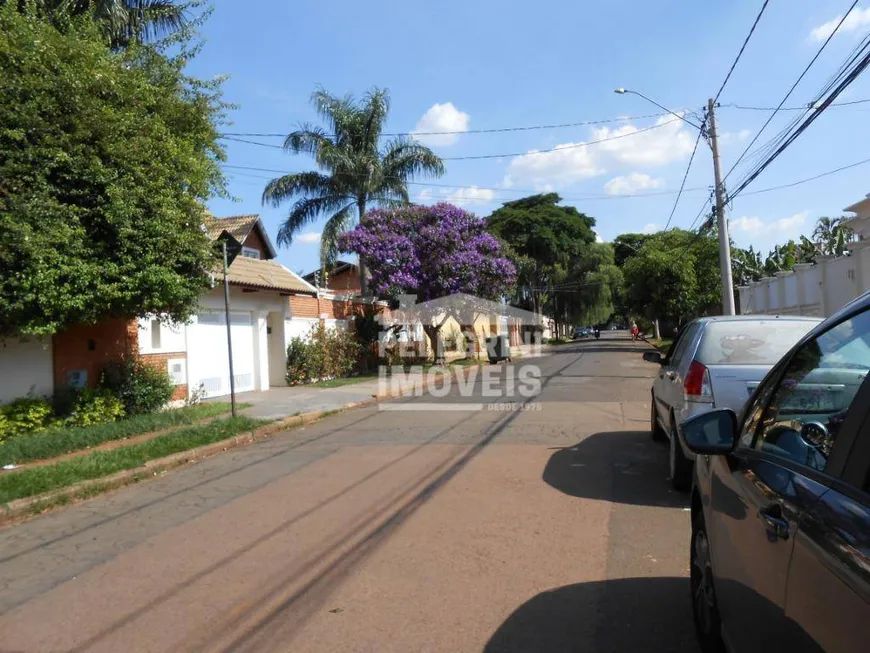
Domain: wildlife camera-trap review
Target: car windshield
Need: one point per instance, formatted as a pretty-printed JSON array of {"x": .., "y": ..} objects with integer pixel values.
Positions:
[{"x": 750, "y": 342}]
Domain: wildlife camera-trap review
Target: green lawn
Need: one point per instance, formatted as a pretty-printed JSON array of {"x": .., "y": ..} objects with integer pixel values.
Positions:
[
  {"x": 99, "y": 464},
  {"x": 55, "y": 442}
]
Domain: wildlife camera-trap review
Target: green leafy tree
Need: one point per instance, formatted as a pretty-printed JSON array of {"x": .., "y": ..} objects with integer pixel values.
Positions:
[
  {"x": 106, "y": 159},
  {"x": 627, "y": 245},
  {"x": 547, "y": 241},
  {"x": 120, "y": 21},
  {"x": 674, "y": 276},
  {"x": 356, "y": 170}
]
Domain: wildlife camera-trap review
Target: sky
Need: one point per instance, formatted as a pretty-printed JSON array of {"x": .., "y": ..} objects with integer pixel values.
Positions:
[{"x": 464, "y": 65}]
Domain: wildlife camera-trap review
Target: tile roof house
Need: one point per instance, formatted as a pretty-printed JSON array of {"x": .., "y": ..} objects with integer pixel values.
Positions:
[{"x": 262, "y": 295}]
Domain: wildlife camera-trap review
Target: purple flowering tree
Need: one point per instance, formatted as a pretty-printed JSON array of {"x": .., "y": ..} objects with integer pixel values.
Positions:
[{"x": 433, "y": 252}]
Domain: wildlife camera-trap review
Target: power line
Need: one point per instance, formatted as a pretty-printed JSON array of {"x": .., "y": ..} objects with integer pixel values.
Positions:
[
  {"x": 808, "y": 179},
  {"x": 742, "y": 48},
  {"x": 686, "y": 175},
  {"x": 790, "y": 91},
  {"x": 589, "y": 198},
  {"x": 801, "y": 108},
  {"x": 519, "y": 191},
  {"x": 845, "y": 79},
  {"x": 558, "y": 148},
  {"x": 497, "y": 130}
]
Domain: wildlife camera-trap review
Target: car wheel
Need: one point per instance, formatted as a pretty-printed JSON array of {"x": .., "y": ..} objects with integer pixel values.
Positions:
[
  {"x": 658, "y": 433},
  {"x": 705, "y": 609},
  {"x": 680, "y": 466}
]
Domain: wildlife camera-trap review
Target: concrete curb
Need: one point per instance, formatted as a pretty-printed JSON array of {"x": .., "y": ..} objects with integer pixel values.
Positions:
[{"x": 57, "y": 499}]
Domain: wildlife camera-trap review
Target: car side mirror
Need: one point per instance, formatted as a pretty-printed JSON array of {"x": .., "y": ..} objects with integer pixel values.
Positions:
[
  {"x": 653, "y": 357},
  {"x": 713, "y": 433}
]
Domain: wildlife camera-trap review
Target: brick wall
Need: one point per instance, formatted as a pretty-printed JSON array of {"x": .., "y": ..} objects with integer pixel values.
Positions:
[
  {"x": 304, "y": 306},
  {"x": 90, "y": 348},
  {"x": 161, "y": 362},
  {"x": 334, "y": 309},
  {"x": 345, "y": 281}
]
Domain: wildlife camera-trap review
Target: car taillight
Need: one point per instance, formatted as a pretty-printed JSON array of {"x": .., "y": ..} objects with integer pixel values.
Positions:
[{"x": 696, "y": 386}]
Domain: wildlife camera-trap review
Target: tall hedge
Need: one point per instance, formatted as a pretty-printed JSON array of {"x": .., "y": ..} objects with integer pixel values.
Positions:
[{"x": 106, "y": 158}]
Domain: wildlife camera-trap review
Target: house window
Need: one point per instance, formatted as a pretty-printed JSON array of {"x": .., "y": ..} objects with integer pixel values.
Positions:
[
  {"x": 155, "y": 334},
  {"x": 250, "y": 252}
]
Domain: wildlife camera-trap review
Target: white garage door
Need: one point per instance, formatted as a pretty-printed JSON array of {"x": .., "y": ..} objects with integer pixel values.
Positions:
[{"x": 208, "y": 363}]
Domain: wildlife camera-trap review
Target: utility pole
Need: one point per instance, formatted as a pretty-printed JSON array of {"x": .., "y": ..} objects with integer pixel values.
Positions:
[
  {"x": 724, "y": 242},
  {"x": 229, "y": 331}
]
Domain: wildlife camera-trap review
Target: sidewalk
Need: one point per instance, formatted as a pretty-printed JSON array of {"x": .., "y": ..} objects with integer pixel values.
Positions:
[{"x": 285, "y": 401}]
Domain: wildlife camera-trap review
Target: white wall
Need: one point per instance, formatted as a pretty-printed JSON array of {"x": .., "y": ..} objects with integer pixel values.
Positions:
[
  {"x": 840, "y": 283},
  {"x": 298, "y": 327},
  {"x": 816, "y": 290},
  {"x": 173, "y": 338},
  {"x": 25, "y": 367}
]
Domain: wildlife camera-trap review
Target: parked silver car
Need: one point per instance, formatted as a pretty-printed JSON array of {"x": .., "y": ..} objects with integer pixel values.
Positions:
[{"x": 714, "y": 362}]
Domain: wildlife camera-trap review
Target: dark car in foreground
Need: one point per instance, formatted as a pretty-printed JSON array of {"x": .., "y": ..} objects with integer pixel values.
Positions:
[{"x": 780, "y": 503}]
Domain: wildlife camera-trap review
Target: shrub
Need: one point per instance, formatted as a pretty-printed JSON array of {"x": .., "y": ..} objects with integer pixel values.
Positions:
[
  {"x": 324, "y": 354},
  {"x": 297, "y": 358},
  {"x": 24, "y": 415},
  {"x": 95, "y": 407},
  {"x": 140, "y": 387}
]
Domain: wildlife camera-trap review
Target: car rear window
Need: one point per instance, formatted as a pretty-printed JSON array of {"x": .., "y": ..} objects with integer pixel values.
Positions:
[{"x": 750, "y": 342}]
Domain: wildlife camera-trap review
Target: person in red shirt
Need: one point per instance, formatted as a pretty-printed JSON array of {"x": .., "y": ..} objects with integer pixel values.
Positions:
[{"x": 635, "y": 332}]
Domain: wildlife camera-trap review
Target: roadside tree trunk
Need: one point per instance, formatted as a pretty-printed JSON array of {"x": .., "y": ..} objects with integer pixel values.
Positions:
[{"x": 436, "y": 342}]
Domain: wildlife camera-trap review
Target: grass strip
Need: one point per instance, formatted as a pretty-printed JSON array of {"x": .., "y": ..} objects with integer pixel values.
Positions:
[
  {"x": 57, "y": 441},
  {"x": 30, "y": 482}
]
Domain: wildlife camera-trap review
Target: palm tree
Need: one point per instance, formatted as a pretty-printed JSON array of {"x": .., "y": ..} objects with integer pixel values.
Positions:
[
  {"x": 357, "y": 172},
  {"x": 123, "y": 21}
]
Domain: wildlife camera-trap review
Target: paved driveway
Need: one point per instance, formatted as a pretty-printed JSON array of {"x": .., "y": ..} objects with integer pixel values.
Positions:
[{"x": 549, "y": 528}]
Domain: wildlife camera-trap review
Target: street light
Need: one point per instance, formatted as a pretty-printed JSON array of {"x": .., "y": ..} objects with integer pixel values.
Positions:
[
  {"x": 724, "y": 241},
  {"x": 624, "y": 91}
]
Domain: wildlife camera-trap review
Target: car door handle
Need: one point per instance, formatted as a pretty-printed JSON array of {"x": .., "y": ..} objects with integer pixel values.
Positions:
[{"x": 774, "y": 523}]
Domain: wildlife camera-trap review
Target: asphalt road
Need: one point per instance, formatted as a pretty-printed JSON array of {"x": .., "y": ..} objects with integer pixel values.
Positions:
[{"x": 545, "y": 526}]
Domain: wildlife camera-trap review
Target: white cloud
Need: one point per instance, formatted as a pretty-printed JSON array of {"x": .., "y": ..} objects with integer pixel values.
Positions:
[
  {"x": 657, "y": 147},
  {"x": 567, "y": 165},
  {"x": 309, "y": 237},
  {"x": 628, "y": 184},
  {"x": 623, "y": 146},
  {"x": 764, "y": 234},
  {"x": 856, "y": 20},
  {"x": 598, "y": 238},
  {"x": 465, "y": 197},
  {"x": 441, "y": 118},
  {"x": 651, "y": 228}
]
